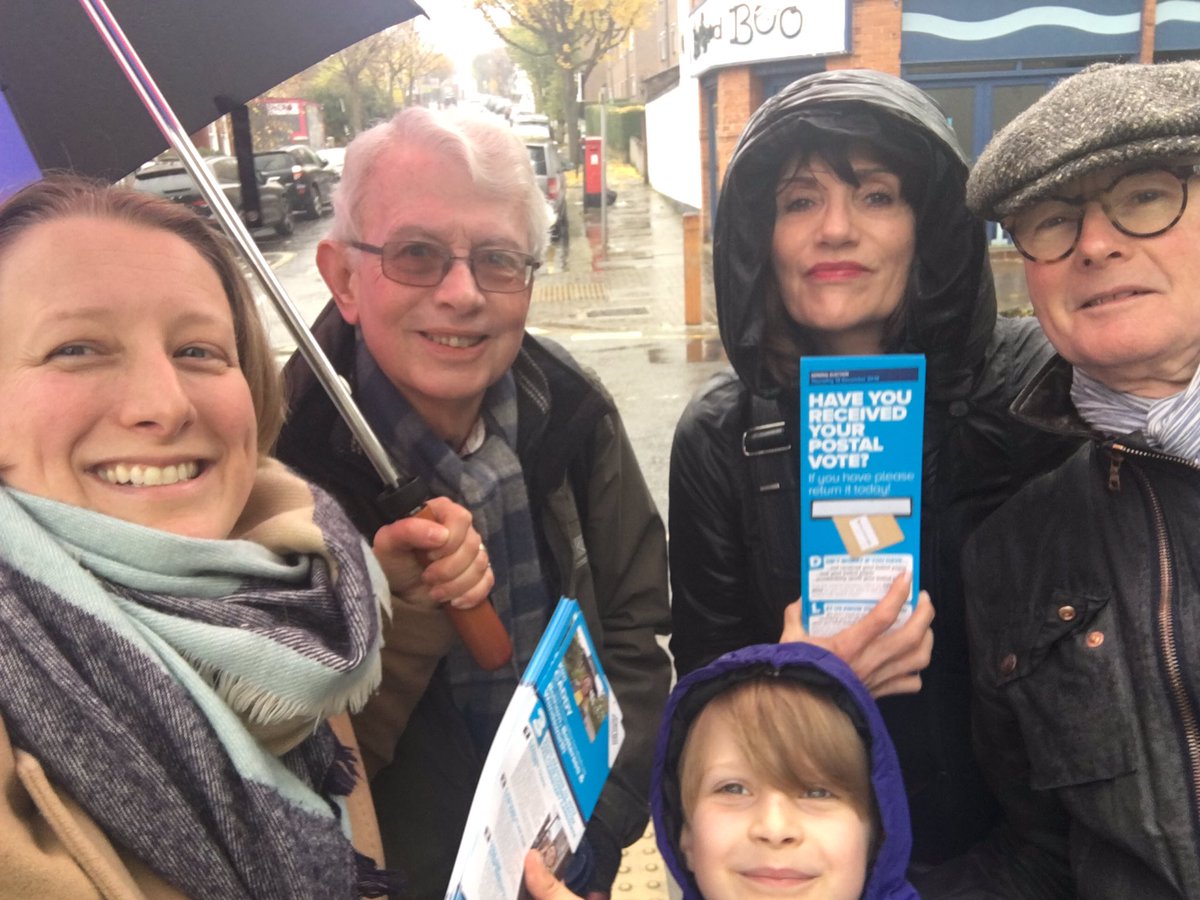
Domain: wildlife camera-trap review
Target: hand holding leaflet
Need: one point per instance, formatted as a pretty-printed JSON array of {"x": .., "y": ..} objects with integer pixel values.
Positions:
[
  {"x": 541, "y": 883},
  {"x": 542, "y": 777},
  {"x": 887, "y": 660},
  {"x": 861, "y": 421}
]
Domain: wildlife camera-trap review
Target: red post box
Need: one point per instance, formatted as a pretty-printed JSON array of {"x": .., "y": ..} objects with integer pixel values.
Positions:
[{"x": 593, "y": 159}]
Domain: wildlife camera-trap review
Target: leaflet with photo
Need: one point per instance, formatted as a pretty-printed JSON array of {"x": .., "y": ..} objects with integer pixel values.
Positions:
[
  {"x": 861, "y": 422},
  {"x": 543, "y": 774}
]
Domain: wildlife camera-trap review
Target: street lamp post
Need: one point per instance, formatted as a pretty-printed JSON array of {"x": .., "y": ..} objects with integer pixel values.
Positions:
[{"x": 604, "y": 169}]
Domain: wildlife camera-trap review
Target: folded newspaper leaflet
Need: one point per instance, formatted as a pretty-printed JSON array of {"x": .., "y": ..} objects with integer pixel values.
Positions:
[
  {"x": 551, "y": 756},
  {"x": 861, "y": 427}
]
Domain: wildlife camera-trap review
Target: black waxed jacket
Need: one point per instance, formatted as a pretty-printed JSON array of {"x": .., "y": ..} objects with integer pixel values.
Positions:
[
  {"x": 732, "y": 573},
  {"x": 1083, "y": 601}
]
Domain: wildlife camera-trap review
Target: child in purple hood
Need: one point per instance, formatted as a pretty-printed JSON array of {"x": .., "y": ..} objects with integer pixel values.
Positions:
[{"x": 774, "y": 776}]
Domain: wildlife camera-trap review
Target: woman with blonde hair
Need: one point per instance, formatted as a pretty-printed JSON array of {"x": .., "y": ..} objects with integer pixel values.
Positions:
[{"x": 180, "y": 616}]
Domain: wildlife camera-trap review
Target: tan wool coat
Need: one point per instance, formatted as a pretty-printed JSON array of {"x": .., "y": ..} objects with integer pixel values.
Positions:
[{"x": 50, "y": 848}]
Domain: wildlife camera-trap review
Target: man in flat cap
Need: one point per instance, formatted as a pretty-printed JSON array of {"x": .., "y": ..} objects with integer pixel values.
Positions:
[{"x": 1084, "y": 590}]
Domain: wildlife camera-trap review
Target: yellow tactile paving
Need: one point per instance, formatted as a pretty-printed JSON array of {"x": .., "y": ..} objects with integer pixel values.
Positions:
[{"x": 643, "y": 875}]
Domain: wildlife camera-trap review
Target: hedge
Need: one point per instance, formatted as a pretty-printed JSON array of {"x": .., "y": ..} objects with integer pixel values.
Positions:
[{"x": 623, "y": 123}]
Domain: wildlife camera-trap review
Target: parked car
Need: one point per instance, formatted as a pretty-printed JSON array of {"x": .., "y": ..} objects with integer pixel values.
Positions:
[
  {"x": 533, "y": 126},
  {"x": 335, "y": 157},
  {"x": 171, "y": 180},
  {"x": 551, "y": 175},
  {"x": 306, "y": 178}
]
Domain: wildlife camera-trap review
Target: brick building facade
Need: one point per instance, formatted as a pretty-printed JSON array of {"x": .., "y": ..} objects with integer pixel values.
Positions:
[{"x": 983, "y": 62}]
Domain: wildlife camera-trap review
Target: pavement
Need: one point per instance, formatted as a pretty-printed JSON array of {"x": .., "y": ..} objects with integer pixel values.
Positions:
[
  {"x": 632, "y": 281},
  {"x": 619, "y": 310}
]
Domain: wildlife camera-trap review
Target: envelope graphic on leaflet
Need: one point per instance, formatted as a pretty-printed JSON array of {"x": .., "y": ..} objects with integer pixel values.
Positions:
[
  {"x": 865, "y": 526},
  {"x": 866, "y": 534}
]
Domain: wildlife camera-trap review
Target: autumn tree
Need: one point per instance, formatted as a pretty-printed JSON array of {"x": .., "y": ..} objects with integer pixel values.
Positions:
[
  {"x": 540, "y": 68},
  {"x": 494, "y": 72},
  {"x": 410, "y": 59},
  {"x": 575, "y": 34},
  {"x": 359, "y": 68},
  {"x": 360, "y": 83},
  {"x": 267, "y": 131}
]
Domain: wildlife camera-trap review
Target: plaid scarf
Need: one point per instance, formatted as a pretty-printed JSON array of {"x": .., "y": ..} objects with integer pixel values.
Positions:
[
  {"x": 491, "y": 484},
  {"x": 139, "y": 666}
]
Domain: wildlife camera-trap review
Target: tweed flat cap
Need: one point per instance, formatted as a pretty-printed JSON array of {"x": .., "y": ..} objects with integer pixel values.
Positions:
[{"x": 1102, "y": 116}]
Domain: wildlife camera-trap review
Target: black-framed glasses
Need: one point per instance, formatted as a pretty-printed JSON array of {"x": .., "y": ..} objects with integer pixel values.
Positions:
[
  {"x": 1141, "y": 203},
  {"x": 420, "y": 264}
]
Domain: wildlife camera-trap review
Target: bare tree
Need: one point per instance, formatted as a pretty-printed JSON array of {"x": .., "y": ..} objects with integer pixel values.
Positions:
[{"x": 575, "y": 34}]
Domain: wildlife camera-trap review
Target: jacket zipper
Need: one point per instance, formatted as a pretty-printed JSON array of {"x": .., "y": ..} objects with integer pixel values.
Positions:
[{"x": 1166, "y": 618}]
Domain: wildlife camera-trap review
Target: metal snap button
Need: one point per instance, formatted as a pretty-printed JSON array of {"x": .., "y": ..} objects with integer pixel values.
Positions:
[
  {"x": 1066, "y": 613},
  {"x": 1095, "y": 639},
  {"x": 1008, "y": 665}
]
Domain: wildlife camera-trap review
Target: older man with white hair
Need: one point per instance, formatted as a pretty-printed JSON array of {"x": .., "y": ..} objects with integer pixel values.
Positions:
[{"x": 439, "y": 229}]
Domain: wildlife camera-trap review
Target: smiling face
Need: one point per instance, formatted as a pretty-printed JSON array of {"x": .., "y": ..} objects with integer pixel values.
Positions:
[
  {"x": 443, "y": 346},
  {"x": 746, "y": 837},
  {"x": 1124, "y": 309},
  {"x": 841, "y": 253},
  {"x": 119, "y": 372}
]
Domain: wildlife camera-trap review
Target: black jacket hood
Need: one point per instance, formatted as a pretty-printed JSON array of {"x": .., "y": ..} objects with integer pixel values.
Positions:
[{"x": 951, "y": 304}]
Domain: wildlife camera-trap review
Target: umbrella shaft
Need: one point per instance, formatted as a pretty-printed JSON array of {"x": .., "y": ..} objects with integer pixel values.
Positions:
[{"x": 167, "y": 122}]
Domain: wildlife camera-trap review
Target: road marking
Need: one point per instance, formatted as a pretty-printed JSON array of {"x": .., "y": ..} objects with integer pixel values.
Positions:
[
  {"x": 606, "y": 335},
  {"x": 277, "y": 259},
  {"x": 694, "y": 334}
]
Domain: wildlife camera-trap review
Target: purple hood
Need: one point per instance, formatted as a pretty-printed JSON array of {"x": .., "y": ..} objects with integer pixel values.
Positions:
[{"x": 811, "y": 665}]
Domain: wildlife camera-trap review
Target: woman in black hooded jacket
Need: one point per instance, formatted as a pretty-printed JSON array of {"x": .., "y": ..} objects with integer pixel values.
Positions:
[{"x": 873, "y": 147}]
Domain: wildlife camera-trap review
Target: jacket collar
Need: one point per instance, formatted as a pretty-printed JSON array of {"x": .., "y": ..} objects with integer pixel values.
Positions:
[
  {"x": 1045, "y": 402},
  {"x": 558, "y": 407}
]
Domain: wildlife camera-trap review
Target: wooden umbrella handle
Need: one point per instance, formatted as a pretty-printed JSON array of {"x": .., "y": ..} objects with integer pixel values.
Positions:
[{"x": 479, "y": 627}]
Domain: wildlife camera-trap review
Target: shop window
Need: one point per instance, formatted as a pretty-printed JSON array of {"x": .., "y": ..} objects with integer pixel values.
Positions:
[
  {"x": 958, "y": 103},
  {"x": 1010, "y": 100}
]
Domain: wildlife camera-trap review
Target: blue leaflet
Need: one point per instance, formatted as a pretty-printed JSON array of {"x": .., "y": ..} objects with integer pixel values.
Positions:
[{"x": 861, "y": 430}]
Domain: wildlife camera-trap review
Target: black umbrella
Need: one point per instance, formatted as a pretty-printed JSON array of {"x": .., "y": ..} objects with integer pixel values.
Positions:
[
  {"x": 75, "y": 107},
  {"x": 88, "y": 93}
]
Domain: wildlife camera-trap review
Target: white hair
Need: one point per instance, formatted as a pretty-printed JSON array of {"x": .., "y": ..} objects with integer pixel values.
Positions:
[{"x": 495, "y": 158}]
